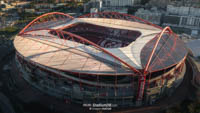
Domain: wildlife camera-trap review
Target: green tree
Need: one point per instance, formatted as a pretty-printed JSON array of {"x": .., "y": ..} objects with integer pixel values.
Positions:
[
  {"x": 194, "y": 107},
  {"x": 9, "y": 30},
  {"x": 172, "y": 111},
  {"x": 143, "y": 2},
  {"x": 85, "y": 1},
  {"x": 199, "y": 57}
]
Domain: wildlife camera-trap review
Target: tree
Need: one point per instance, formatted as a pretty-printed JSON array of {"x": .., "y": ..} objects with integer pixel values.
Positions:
[
  {"x": 194, "y": 107},
  {"x": 172, "y": 111},
  {"x": 85, "y": 1},
  {"x": 9, "y": 30},
  {"x": 143, "y": 2},
  {"x": 199, "y": 57}
]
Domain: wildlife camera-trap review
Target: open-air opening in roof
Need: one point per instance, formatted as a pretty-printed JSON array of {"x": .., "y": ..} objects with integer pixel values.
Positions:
[{"x": 105, "y": 37}]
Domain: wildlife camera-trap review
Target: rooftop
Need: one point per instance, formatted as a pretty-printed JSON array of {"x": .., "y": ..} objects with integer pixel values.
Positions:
[{"x": 69, "y": 45}]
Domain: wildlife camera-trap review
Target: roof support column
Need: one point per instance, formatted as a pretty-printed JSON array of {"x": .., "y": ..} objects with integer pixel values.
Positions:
[{"x": 140, "y": 93}]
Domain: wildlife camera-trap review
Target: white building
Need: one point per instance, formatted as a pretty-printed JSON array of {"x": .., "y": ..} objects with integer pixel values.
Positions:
[
  {"x": 119, "y": 3},
  {"x": 186, "y": 18},
  {"x": 110, "y": 5},
  {"x": 1, "y": 2},
  {"x": 183, "y": 11},
  {"x": 152, "y": 15},
  {"x": 93, "y": 10},
  {"x": 118, "y": 9},
  {"x": 97, "y": 4}
]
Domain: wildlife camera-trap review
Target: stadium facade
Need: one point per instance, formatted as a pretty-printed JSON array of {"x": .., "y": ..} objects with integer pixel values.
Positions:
[{"x": 100, "y": 58}]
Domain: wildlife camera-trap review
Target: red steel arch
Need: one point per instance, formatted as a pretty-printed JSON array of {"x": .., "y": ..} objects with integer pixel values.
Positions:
[
  {"x": 51, "y": 13},
  {"x": 83, "y": 40},
  {"x": 142, "y": 79},
  {"x": 116, "y": 15},
  {"x": 112, "y": 15},
  {"x": 154, "y": 48}
]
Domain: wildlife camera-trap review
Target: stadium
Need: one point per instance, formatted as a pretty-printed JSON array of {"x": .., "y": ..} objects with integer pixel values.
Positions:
[{"x": 103, "y": 57}]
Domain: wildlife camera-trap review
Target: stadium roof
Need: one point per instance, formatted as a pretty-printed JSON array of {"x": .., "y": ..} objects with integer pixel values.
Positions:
[{"x": 60, "y": 41}]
